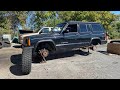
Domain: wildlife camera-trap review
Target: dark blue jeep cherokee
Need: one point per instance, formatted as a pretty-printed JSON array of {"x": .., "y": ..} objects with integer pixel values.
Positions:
[{"x": 65, "y": 36}]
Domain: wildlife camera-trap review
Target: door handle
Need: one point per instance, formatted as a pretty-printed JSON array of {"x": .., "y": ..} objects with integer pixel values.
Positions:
[{"x": 64, "y": 42}]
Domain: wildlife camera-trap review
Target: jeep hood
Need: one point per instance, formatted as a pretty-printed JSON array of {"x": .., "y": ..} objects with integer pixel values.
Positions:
[
  {"x": 41, "y": 36},
  {"x": 28, "y": 34}
]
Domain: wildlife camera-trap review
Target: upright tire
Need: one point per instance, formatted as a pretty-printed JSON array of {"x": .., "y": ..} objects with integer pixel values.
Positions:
[
  {"x": 1, "y": 45},
  {"x": 26, "y": 60}
]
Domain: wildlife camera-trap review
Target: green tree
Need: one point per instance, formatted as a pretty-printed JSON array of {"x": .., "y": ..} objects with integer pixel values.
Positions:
[
  {"x": 10, "y": 20},
  {"x": 42, "y": 18},
  {"x": 103, "y": 17}
]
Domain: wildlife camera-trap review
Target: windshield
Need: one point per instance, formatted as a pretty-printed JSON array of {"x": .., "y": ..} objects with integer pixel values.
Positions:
[{"x": 58, "y": 28}]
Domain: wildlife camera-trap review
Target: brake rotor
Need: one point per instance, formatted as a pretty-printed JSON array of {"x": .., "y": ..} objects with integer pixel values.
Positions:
[
  {"x": 44, "y": 52},
  {"x": 94, "y": 48}
]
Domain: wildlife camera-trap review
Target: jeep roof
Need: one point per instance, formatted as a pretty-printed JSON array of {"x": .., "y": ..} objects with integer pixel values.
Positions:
[{"x": 75, "y": 22}]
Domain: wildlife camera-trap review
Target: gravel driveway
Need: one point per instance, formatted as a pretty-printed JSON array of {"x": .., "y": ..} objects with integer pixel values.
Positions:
[{"x": 68, "y": 65}]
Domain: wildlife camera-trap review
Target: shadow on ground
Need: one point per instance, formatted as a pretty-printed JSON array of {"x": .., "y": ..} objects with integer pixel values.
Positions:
[
  {"x": 16, "y": 59},
  {"x": 16, "y": 68},
  {"x": 67, "y": 54},
  {"x": 103, "y": 52},
  {"x": 62, "y": 55},
  {"x": 17, "y": 46}
]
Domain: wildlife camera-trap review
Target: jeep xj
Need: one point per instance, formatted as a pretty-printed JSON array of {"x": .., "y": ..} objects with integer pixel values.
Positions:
[{"x": 65, "y": 36}]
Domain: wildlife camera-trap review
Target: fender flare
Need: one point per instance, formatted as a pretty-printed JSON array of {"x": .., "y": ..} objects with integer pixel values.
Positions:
[
  {"x": 94, "y": 39},
  {"x": 44, "y": 41}
]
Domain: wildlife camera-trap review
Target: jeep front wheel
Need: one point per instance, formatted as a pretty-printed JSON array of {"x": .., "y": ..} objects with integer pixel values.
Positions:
[
  {"x": 26, "y": 60},
  {"x": 43, "y": 51}
]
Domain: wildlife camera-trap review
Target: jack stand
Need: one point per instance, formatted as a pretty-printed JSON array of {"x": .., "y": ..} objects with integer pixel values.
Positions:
[
  {"x": 88, "y": 50},
  {"x": 43, "y": 58}
]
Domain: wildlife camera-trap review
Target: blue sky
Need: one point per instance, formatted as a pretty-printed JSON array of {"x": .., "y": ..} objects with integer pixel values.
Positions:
[{"x": 115, "y": 12}]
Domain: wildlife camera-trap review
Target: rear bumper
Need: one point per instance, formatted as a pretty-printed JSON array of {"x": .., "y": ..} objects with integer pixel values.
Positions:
[{"x": 104, "y": 42}]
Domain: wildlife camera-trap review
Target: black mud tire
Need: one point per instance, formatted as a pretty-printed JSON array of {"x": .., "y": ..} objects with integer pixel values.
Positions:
[{"x": 26, "y": 60}]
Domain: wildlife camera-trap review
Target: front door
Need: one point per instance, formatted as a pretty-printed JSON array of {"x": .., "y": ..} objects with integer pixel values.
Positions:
[{"x": 70, "y": 38}]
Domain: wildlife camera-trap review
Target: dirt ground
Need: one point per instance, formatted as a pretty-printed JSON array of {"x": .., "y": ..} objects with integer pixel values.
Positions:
[{"x": 68, "y": 65}]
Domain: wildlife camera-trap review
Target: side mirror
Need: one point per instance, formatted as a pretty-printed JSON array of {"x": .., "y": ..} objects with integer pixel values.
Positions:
[{"x": 67, "y": 30}]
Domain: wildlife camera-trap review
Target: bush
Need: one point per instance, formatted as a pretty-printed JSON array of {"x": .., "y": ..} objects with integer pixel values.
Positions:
[{"x": 114, "y": 34}]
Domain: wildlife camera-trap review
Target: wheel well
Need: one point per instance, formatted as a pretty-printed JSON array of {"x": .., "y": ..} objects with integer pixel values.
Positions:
[
  {"x": 49, "y": 45},
  {"x": 95, "y": 42}
]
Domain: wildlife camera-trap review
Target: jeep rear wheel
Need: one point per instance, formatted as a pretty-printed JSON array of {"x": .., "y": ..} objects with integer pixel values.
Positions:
[
  {"x": 26, "y": 60},
  {"x": 94, "y": 47}
]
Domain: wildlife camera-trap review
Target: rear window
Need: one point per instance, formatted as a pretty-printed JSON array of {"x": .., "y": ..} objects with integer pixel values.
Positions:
[{"x": 97, "y": 27}]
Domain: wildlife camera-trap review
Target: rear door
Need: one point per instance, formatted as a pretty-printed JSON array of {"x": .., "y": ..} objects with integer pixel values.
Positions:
[
  {"x": 98, "y": 31},
  {"x": 85, "y": 34}
]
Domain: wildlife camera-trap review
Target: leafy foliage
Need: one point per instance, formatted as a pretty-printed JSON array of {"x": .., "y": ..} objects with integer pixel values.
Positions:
[
  {"x": 103, "y": 17},
  {"x": 10, "y": 21}
]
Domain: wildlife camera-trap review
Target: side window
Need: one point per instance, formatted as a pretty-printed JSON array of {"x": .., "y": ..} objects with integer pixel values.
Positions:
[
  {"x": 72, "y": 28},
  {"x": 83, "y": 28},
  {"x": 97, "y": 27}
]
